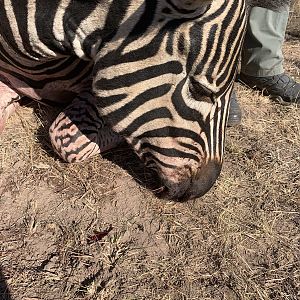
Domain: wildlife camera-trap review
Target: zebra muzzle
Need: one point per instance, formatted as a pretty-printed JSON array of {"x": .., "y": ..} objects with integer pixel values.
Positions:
[{"x": 195, "y": 186}]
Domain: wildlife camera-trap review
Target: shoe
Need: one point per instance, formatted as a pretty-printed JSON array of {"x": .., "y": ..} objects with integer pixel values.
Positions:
[
  {"x": 235, "y": 113},
  {"x": 282, "y": 88}
]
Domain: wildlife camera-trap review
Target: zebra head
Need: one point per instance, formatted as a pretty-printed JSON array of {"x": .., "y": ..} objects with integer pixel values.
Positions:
[{"x": 166, "y": 89}]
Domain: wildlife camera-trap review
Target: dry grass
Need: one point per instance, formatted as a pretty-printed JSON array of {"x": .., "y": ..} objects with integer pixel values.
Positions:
[
  {"x": 295, "y": 7},
  {"x": 240, "y": 241},
  {"x": 294, "y": 22}
]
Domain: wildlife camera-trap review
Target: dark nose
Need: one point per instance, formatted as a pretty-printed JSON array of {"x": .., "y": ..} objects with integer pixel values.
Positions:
[
  {"x": 197, "y": 186},
  {"x": 204, "y": 179}
]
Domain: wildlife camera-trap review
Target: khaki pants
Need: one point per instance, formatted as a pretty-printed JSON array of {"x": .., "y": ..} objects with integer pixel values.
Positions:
[{"x": 262, "y": 51}]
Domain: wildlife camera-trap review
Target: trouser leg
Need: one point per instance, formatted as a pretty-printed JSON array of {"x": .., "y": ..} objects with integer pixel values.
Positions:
[{"x": 262, "y": 50}]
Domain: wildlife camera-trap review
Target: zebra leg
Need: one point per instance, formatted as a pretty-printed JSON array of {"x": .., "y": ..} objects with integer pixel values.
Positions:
[
  {"x": 79, "y": 132},
  {"x": 8, "y": 103}
]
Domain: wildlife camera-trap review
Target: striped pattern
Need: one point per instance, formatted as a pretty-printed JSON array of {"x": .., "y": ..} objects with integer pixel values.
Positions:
[
  {"x": 173, "y": 110},
  {"x": 161, "y": 73},
  {"x": 79, "y": 132}
]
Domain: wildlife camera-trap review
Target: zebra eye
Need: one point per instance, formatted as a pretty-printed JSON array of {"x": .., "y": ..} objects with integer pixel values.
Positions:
[{"x": 199, "y": 92}]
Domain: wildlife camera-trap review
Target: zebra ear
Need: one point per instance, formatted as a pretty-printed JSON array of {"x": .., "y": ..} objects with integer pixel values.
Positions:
[{"x": 190, "y": 4}]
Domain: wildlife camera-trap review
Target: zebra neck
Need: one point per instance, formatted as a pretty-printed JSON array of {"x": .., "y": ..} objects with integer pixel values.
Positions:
[{"x": 89, "y": 25}]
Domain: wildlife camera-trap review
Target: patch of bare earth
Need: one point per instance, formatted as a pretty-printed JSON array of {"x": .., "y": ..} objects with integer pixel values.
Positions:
[{"x": 94, "y": 231}]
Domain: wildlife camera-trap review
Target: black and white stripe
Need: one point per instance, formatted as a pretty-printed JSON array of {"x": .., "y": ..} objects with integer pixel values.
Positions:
[{"x": 161, "y": 72}]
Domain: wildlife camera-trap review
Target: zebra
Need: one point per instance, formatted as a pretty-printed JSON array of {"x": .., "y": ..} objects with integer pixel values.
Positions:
[{"x": 157, "y": 74}]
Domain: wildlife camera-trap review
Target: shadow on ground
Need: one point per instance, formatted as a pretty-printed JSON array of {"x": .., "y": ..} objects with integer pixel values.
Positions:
[
  {"x": 122, "y": 156},
  {"x": 4, "y": 290},
  {"x": 126, "y": 159}
]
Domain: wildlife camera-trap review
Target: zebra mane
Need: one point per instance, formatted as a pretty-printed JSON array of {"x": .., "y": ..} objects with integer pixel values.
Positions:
[{"x": 270, "y": 4}]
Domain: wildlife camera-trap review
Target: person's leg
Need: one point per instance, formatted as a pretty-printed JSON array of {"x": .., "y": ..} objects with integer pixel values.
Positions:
[
  {"x": 262, "y": 58},
  {"x": 262, "y": 53}
]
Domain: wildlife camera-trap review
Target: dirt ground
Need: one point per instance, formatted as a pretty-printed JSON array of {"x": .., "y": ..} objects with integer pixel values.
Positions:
[{"x": 95, "y": 230}]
